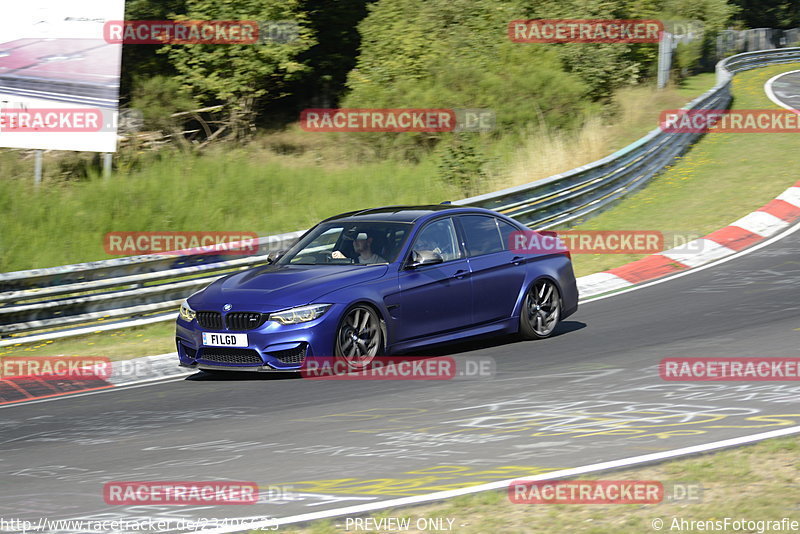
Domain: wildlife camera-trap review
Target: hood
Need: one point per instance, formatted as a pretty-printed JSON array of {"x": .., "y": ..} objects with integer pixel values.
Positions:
[{"x": 276, "y": 287}]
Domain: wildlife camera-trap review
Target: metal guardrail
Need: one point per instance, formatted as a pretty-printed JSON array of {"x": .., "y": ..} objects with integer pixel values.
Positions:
[
  {"x": 574, "y": 195},
  {"x": 128, "y": 288},
  {"x": 63, "y": 301},
  {"x": 731, "y": 42}
]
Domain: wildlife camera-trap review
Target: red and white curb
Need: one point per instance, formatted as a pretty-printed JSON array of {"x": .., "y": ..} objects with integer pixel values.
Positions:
[
  {"x": 767, "y": 221},
  {"x": 16, "y": 390}
]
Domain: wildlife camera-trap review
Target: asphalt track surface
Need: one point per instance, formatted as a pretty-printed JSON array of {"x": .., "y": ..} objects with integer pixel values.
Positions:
[
  {"x": 786, "y": 89},
  {"x": 590, "y": 393}
]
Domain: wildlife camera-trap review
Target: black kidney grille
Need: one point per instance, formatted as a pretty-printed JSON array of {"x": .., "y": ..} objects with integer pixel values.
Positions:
[
  {"x": 296, "y": 355},
  {"x": 230, "y": 355},
  {"x": 245, "y": 320},
  {"x": 210, "y": 319}
]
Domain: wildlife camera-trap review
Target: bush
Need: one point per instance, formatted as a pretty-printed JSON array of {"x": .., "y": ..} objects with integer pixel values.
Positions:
[
  {"x": 158, "y": 98},
  {"x": 456, "y": 54},
  {"x": 462, "y": 165}
]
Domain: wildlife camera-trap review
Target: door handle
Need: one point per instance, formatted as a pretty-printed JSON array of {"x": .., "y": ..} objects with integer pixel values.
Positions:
[
  {"x": 461, "y": 273},
  {"x": 516, "y": 260}
]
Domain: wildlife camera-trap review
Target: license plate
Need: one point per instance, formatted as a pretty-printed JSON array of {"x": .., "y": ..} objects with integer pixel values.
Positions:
[{"x": 224, "y": 340}]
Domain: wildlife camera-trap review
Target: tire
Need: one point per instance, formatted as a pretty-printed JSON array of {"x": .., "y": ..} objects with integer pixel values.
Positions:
[
  {"x": 541, "y": 310},
  {"x": 359, "y": 337}
]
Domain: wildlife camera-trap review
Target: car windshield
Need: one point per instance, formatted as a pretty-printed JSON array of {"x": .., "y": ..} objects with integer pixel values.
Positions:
[{"x": 349, "y": 243}]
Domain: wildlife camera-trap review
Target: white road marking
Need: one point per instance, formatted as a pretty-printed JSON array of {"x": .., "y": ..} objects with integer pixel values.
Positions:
[
  {"x": 771, "y": 94},
  {"x": 501, "y": 484}
]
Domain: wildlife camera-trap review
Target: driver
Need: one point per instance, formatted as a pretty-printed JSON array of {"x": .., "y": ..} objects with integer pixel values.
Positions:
[{"x": 363, "y": 247}]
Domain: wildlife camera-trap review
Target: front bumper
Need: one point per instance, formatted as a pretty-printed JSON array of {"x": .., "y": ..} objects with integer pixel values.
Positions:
[
  {"x": 250, "y": 368},
  {"x": 271, "y": 348}
]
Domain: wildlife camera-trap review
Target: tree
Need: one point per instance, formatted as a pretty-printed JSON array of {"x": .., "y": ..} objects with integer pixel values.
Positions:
[
  {"x": 139, "y": 60},
  {"x": 456, "y": 54},
  {"x": 333, "y": 56},
  {"x": 781, "y": 14},
  {"x": 242, "y": 76}
]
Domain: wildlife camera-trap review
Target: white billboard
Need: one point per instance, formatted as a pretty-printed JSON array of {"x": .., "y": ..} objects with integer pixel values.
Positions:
[{"x": 59, "y": 78}]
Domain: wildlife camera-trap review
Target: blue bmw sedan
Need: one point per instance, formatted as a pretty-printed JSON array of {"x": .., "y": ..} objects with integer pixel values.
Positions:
[{"x": 374, "y": 282}]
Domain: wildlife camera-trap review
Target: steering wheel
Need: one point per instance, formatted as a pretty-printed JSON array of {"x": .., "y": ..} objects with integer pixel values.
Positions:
[{"x": 327, "y": 256}]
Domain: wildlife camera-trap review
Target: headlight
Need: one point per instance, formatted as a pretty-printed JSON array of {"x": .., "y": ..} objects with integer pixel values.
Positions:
[
  {"x": 301, "y": 314},
  {"x": 187, "y": 313}
]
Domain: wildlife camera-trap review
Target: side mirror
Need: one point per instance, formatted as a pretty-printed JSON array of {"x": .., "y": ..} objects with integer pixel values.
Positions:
[
  {"x": 274, "y": 256},
  {"x": 424, "y": 257}
]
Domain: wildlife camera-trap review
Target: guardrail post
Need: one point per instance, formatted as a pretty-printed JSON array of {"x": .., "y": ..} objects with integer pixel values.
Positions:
[
  {"x": 664, "y": 59},
  {"x": 107, "y": 165},
  {"x": 37, "y": 168}
]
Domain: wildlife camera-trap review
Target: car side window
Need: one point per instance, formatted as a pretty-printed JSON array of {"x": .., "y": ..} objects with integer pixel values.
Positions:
[
  {"x": 325, "y": 242},
  {"x": 481, "y": 235},
  {"x": 439, "y": 237},
  {"x": 506, "y": 231}
]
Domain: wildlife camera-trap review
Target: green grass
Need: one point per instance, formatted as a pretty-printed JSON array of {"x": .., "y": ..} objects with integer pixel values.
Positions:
[
  {"x": 121, "y": 344},
  {"x": 722, "y": 178},
  {"x": 696, "y": 85},
  {"x": 541, "y": 152},
  {"x": 756, "y": 482},
  {"x": 651, "y": 104},
  {"x": 226, "y": 191}
]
